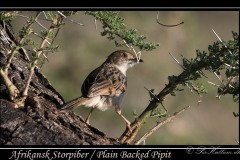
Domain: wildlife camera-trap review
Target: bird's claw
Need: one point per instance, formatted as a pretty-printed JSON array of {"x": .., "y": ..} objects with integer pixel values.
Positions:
[{"x": 129, "y": 126}]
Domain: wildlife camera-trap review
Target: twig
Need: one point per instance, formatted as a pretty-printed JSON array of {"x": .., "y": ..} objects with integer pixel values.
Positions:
[
  {"x": 25, "y": 53},
  {"x": 95, "y": 22},
  {"x": 158, "y": 125},
  {"x": 41, "y": 25},
  {"x": 36, "y": 34},
  {"x": 126, "y": 44},
  {"x": 20, "y": 41},
  {"x": 44, "y": 19},
  {"x": 20, "y": 15},
  {"x": 6, "y": 39},
  {"x": 130, "y": 47},
  {"x": 168, "y": 25},
  {"x": 44, "y": 41},
  {"x": 13, "y": 91}
]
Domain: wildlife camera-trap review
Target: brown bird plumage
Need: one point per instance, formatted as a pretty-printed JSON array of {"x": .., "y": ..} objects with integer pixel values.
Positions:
[{"x": 105, "y": 86}]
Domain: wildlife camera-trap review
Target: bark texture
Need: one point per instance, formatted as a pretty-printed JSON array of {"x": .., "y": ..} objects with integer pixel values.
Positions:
[{"x": 39, "y": 121}]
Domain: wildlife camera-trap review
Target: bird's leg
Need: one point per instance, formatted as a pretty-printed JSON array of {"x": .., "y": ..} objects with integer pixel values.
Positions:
[
  {"x": 89, "y": 114},
  {"x": 119, "y": 112}
]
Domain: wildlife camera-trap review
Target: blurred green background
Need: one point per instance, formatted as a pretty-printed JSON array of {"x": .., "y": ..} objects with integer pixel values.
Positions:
[{"x": 82, "y": 49}]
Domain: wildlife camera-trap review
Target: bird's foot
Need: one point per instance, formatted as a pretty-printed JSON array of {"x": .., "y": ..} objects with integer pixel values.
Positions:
[{"x": 129, "y": 126}]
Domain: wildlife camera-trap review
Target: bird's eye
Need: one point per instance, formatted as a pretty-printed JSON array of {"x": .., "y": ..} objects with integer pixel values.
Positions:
[{"x": 124, "y": 55}]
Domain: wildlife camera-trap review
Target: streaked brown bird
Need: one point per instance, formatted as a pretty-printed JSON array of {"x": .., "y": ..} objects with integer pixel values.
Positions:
[{"x": 105, "y": 86}]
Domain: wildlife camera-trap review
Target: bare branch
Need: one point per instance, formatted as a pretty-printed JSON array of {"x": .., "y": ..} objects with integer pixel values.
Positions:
[
  {"x": 168, "y": 25},
  {"x": 158, "y": 125}
]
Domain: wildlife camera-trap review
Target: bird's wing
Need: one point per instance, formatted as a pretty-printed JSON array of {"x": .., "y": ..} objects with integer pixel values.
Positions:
[{"x": 104, "y": 81}]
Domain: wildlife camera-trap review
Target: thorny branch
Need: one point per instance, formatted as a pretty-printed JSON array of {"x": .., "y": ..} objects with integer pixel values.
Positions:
[
  {"x": 13, "y": 91},
  {"x": 46, "y": 37},
  {"x": 191, "y": 69},
  {"x": 39, "y": 52}
]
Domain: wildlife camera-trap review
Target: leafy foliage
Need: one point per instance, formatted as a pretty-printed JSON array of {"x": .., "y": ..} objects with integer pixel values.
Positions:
[
  {"x": 221, "y": 57},
  {"x": 113, "y": 26},
  {"x": 7, "y": 16}
]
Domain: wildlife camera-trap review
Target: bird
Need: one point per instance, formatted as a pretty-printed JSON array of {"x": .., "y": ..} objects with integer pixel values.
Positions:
[{"x": 105, "y": 86}]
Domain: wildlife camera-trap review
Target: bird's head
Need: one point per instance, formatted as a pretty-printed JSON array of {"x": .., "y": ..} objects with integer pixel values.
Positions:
[{"x": 123, "y": 60}]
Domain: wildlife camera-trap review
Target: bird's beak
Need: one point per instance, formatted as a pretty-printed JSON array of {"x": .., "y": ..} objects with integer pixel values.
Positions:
[
  {"x": 140, "y": 60},
  {"x": 135, "y": 60}
]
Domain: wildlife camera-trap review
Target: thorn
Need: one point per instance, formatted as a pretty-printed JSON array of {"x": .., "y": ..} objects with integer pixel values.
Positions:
[
  {"x": 217, "y": 76},
  {"x": 61, "y": 14},
  {"x": 45, "y": 15},
  {"x": 201, "y": 72},
  {"x": 152, "y": 94},
  {"x": 164, "y": 107},
  {"x": 25, "y": 54},
  {"x": 177, "y": 61},
  {"x": 221, "y": 41},
  {"x": 45, "y": 57},
  {"x": 213, "y": 84},
  {"x": 127, "y": 45},
  {"x": 41, "y": 25}
]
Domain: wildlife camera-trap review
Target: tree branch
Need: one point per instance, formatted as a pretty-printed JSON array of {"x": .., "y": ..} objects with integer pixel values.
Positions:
[
  {"x": 214, "y": 60},
  {"x": 159, "y": 124},
  {"x": 12, "y": 89}
]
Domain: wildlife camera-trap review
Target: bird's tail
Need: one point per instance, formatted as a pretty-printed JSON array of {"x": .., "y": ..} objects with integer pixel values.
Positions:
[{"x": 73, "y": 103}]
